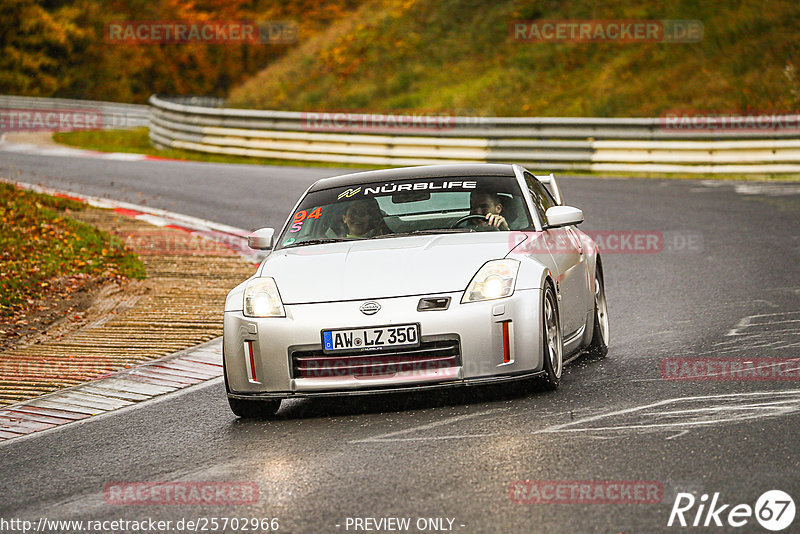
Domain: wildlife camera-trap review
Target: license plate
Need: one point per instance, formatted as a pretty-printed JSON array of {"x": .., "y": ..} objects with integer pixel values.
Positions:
[{"x": 374, "y": 337}]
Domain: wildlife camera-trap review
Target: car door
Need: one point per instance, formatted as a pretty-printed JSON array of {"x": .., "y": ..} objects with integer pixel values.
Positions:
[{"x": 568, "y": 257}]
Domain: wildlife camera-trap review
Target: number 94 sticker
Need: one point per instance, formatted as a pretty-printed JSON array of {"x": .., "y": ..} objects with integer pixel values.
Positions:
[{"x": 302, "y": 216}]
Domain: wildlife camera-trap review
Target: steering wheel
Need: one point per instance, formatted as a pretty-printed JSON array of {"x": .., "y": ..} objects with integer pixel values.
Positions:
[{"x": 461, "y": 222}]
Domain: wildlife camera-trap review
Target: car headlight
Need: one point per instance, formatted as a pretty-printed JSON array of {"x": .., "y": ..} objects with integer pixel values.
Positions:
[
  {"x": 496, "y": 279},
  {"x": 261, "y": 299}
]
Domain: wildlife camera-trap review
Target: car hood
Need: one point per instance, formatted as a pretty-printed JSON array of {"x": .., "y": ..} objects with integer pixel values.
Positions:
[{"x": 388, "y": 267}]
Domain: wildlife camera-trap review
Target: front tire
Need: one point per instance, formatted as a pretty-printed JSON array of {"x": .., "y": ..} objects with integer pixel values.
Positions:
[
  {"x": 599, "y": 343},
  {"x": 254, "y": 409},
  {"x": 248, "y": 409},
  {"x": 552, "y": 340}
]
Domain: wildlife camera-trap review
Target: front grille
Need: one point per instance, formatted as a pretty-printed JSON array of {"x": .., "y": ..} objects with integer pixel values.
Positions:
[{"x": 431, "y": 355}]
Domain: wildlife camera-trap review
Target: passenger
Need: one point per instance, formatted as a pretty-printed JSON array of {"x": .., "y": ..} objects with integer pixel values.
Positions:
[
  {"x": 363, "y": 219},
  {"x": 484, "y": 202}
]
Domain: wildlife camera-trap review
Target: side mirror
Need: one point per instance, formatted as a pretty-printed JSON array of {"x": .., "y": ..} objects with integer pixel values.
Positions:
[
  {"x": 261, "y": 239},
  {"x": 563, "y": 216}
]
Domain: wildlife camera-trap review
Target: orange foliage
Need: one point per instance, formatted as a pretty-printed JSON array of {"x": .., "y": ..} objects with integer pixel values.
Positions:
[{"x": 74, "y": 58}]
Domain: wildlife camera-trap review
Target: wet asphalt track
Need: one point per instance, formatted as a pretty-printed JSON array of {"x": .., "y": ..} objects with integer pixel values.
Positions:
[{"x": 725, "y": 285}]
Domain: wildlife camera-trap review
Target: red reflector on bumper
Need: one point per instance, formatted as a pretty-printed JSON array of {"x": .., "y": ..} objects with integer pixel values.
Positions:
[
  {"x": 506, "y": 342},
  {"x": 252, "y": 360}
]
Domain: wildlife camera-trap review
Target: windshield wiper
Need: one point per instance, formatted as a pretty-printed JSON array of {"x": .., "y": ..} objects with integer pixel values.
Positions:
[
  {"x": 323, "y": 240},
  {"x": 443, "y": 231},
  {"x": 317, "y": 241}
]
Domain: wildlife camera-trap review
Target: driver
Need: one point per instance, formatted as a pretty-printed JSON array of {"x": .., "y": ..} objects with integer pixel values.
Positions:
[
  {"x": 363, "y": 218},
  {"x": 487, "y": 203}
]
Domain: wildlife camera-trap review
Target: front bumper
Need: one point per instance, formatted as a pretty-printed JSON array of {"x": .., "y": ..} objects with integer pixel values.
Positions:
[{"x": 258, "y": 351}]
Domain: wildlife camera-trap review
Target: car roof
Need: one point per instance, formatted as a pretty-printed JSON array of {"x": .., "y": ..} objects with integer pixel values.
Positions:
[{"x": 404, "y": 173}]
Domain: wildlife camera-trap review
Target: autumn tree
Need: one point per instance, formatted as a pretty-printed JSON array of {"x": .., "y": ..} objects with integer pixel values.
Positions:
[
  {"x": 59, "y": 47},
  {"x": 36, "y": 46}
]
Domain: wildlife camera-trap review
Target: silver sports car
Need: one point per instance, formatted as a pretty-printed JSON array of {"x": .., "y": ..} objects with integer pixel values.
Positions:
[{"x": 414, "y": 278}]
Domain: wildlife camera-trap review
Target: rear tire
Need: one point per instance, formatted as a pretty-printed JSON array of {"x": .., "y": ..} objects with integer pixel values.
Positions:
[
  {"x": 599, "y": 343},
  {"x": 552, "y": 340},
  {"x": 254, "y": 409}
]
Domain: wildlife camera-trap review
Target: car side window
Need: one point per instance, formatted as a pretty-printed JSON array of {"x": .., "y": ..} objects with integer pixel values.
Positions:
[{"x": 542, "y": 199}]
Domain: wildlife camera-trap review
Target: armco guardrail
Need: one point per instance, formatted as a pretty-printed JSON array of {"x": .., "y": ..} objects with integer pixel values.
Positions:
[
  {"x": 579, "y": 144},
  {"x": 112, "y": 115}
]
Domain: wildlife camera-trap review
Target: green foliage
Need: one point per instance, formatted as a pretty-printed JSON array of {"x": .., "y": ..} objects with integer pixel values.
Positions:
[
  {"x": 137, "y": 141},
  {"x": 438, "y": 56},
  {"x": 459, "y": 56}
]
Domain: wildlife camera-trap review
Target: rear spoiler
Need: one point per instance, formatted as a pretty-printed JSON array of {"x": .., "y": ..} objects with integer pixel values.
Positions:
[{"x": 550, "y": 183}]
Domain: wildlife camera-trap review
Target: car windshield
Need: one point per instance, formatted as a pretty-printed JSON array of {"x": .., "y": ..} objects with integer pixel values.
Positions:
[{"x": 407, "y": 207}]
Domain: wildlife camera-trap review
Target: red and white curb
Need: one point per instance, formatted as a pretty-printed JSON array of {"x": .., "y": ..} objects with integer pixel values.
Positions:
[
  {"x": 117, "y": 390},
  {"x": 143, "y": 382}
]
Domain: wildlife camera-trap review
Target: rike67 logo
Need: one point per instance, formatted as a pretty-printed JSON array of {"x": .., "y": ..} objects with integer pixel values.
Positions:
[{"x": 774, "y": 510}]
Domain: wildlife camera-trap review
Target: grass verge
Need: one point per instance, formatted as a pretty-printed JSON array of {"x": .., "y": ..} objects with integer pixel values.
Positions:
[
  {"x": 466, "y": 57},
  {"x": 137, "y": 141},
  {"x": 46, "y": 254}
]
